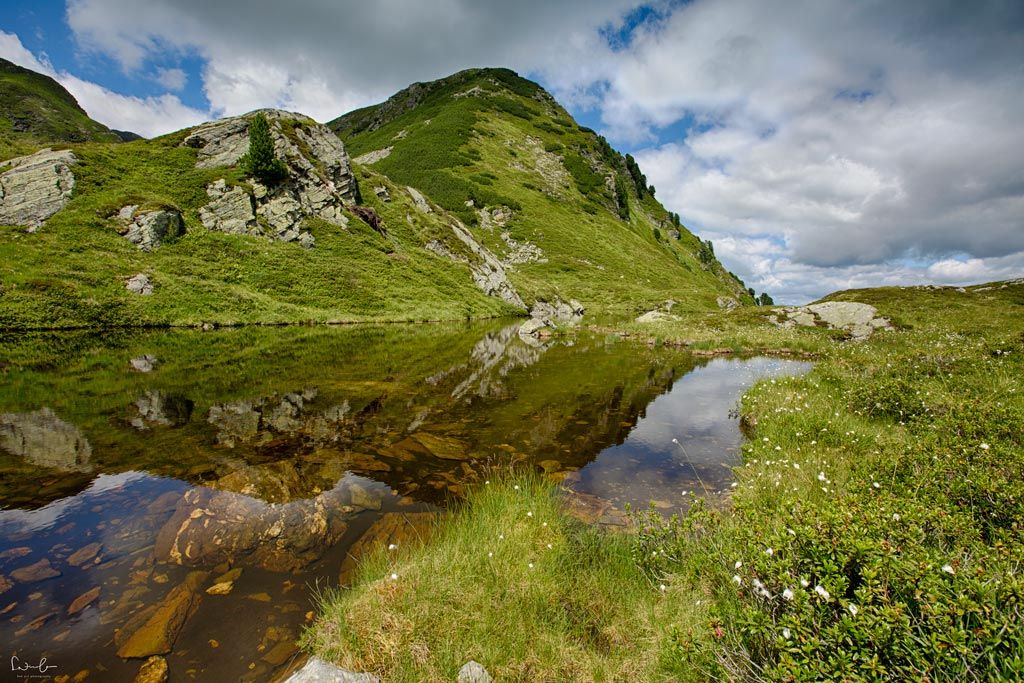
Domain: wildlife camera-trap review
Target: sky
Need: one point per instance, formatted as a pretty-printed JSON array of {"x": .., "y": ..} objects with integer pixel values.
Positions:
[{"x": 820, "y": 144}]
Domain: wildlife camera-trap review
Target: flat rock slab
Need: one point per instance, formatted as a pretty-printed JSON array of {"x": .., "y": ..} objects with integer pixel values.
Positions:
[
  {"x": 860, "y": 320},
  {"x": 318, "y": 671},
  {"x": 39, "y": 571},
  {"x": 34, "y": 187}
]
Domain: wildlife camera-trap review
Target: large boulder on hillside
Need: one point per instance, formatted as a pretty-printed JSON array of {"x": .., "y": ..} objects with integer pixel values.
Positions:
[
  {"x": 150, "y": 229},
  {"x": 34, "y": 187},
  {"x": 319, "y": 181},
  {"x": 859, "y": 320}
]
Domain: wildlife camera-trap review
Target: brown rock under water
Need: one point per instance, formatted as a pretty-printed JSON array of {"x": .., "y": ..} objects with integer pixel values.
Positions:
[
  {"x": 83, "y": 600},
  {"x": 398, "y": 528},
  {"x": 157, "y": 635},
  {"x": 153, "y": 670},
  {"x": 83, "y": 555},
  {"x": 38, "y": 571}
]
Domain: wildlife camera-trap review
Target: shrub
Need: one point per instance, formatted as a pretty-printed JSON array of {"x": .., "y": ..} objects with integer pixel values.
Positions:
[{"x": 260, "y": 161}]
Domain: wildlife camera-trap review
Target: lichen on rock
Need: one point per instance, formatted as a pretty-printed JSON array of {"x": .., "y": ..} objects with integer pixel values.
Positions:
[{"x": 34, "y": 187}]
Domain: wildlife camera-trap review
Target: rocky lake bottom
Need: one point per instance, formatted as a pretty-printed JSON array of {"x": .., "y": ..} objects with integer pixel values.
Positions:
[{"x": 187, "y": 494}]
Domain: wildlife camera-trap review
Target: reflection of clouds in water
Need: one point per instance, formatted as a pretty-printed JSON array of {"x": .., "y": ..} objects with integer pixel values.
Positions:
[
  {"x": 648, "y": 466},
  {"x": 12, "y": 521},
  {"x": 696, "y": 410}
]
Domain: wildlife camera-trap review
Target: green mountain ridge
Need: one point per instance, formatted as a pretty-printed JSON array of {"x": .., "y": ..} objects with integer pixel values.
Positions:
[
  {"x": 488, "y": 187},
  {"x": 37, "y": 108}
]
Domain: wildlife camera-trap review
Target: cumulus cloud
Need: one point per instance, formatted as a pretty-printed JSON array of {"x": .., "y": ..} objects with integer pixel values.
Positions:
[
  {"x": 146, "y": 116},
  {"x": 324, "y": 57},
  {"x": 859, "y": 136},
  {"x": 172, "y": 79}
]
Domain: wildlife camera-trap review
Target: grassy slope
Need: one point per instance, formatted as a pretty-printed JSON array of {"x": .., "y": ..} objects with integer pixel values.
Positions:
[
  {"x": 37, "y": 108},
  {"x": 892, "y": 476},
  {"x": 485, "y": 146},
  {"x": 72, "y": 272}
]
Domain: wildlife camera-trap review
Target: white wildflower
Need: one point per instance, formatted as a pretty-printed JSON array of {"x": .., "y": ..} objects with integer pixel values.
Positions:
[
  {"x": 394, "y": 577},
  {"x": 787, "y": 594},
  {"x": 663, "y": 588},
  {"x": 821, "y": 476},
  {"x": 853, "y": 609},
  {"x": 984, "y": 446},
  {"x": 529, "y": 514},
  {"x": 948, "y": 569},
  {"x": 786, "y": 633},
  {"x": 820, "y": 590},
  {"x": 736, "y": 579},
  {"x": 531, "y": 565},
  {"x": 804, "y": 583},
  {"x": 738, "y": 564},
  {"x": 392, "y": 546},
  {"x": 895, "y": 517},
  {"x": 769, "y": 552}
]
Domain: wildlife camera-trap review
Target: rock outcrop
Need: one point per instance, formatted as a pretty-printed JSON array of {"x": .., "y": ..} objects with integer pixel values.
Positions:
[
  {"x": 859, "y": 320},
  {"x": 150, "y": 229},
  {"x": 139, "y": 284},
  {"x": 44, "y": 439},
  {"x": 545, "y": 315},
  {"x": 488, "y": 272},
  {"x": 319, "y": 183},
  {"x": 34, "y": 187}
]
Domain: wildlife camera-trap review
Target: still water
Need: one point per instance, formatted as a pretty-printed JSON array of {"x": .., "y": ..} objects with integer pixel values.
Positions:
[{"x": 186, "y": 493}]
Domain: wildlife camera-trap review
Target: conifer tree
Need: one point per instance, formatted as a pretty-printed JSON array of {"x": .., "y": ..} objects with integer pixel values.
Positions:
[{"x": 260, "y": 161}]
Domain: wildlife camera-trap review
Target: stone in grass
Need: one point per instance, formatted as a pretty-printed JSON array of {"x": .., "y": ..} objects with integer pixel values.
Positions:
[
  {"x": 318, "y": 671},
  {"x": 139, "y": 284},
  {"x": 473, "y": 672}
]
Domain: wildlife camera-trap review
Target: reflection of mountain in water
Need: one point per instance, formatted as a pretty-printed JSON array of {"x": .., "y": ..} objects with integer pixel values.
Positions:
[{"x": 282, "y": 415}]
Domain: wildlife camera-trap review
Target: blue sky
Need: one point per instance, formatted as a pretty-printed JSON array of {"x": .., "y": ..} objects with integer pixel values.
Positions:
[{"x": 820, "y": 145}]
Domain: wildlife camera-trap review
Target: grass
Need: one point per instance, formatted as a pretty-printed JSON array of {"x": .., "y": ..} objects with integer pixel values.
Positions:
[
  {"x": 874, "y": 533},
  {"x": 508, "y": 580},
  {"x": 72, "y": 272}
]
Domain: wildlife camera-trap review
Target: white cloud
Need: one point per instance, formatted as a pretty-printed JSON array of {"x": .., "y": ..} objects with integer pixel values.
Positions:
[
  {"x": 892, "y": 139},
  {"x": 146, "y": 116},
  {"x": 324, "y": 57},
  {"x": 172, "y": 79}
]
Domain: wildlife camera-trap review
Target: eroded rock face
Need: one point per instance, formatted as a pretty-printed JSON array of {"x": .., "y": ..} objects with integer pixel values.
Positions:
[
  {"x": 150, "y": 229},
  {"x": 44, "y": 439},
  {"x": 319, "y": 183},
  {"x": 488, "y": 272},
  {"x": 860, "y": 320},
  {"x": 34, "y": 187}
]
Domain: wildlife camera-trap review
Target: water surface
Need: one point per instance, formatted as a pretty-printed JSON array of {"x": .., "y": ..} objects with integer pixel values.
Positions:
[{"x": 140, "y": 472}]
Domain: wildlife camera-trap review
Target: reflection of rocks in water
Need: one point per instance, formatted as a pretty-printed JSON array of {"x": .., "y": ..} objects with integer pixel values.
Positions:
[
  {"x": 210, "y": 526},
  {"x": 157, "y": 408},
  {"x": 494, "y": 356},
  {"x": 257, "y": 420},
  {"x": 44, "y": 439}
]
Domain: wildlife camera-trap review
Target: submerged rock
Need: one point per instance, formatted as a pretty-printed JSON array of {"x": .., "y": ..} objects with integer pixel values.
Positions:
[
  {"x": 393, "y": 528},
  {"x": 44, "y": 439},
  {"x": 154, "y": 670},
  {"x": 157, "y": 635},
  {"x": 38, "y": 571},
  {"x": 210, "y": 526},
  {"x": 84, "y": 554},
  {"x": 83, "y": 601},
  {"x": 34, "y": 187}
]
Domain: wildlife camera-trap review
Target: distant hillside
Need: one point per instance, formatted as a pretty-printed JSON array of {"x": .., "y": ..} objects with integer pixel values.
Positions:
[
  {"x": 502, "y": 155},
  {"x": 474, "y": 196},
  {"x": 36, "y": 106}
]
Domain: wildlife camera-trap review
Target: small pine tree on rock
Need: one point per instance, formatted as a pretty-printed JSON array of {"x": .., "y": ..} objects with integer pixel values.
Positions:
[{"x": 260, "y": 161}]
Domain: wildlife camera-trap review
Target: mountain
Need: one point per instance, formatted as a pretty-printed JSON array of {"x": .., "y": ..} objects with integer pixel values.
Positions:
[
  {"x": 576, "y": 217},
  {"x": 36, "y": 106},
  {"x": 473, "y": 196}
]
